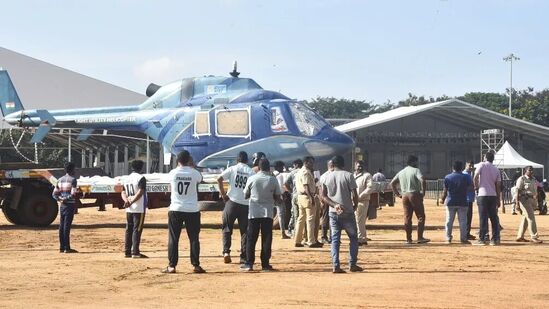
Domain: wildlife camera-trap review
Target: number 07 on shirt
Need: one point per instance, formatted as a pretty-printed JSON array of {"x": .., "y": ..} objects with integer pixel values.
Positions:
[{"x": 184, "y": 186}]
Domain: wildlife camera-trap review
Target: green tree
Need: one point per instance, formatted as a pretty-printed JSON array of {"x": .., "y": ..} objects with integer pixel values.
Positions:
[{"x": 331, "y": 107}]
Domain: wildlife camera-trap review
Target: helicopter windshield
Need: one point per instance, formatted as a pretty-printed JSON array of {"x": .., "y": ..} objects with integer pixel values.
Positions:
[{"x": 308, "y": 122}]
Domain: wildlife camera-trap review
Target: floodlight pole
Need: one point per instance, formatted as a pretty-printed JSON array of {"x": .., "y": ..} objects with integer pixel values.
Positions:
[{"x": 510, "y": 59}]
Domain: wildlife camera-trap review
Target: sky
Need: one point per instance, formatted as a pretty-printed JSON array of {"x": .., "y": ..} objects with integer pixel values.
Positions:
[{"x": 366, "y": 50}]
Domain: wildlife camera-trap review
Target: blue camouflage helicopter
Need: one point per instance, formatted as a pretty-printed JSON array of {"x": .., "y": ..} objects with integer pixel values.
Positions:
[{"x": 212, "y": 117}]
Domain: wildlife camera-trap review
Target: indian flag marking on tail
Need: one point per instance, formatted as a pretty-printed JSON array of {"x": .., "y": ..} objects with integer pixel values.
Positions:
[{"x": 9, "y": 105}]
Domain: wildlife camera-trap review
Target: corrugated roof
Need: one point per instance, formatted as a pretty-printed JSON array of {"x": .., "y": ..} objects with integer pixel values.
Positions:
[
  {"x": 460, "y": 112},
  {"x": 47, "y": 86}
]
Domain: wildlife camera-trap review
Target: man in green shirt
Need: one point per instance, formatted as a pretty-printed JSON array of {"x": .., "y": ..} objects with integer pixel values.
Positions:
[{"x": 412, "y": 187}]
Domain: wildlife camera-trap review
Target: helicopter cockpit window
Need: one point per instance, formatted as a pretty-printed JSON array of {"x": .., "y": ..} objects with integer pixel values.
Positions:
[
  {"x": 278, "y": 124},
  {"x": 308, "y": 122},
  {"x": 233, "y": 123},
  {"x": 167, "y": 96},
  {"x": 202, "y": 123}
]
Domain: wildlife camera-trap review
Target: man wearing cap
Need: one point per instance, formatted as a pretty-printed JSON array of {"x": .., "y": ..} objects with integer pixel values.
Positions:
[{"x": 527, "y": 195}]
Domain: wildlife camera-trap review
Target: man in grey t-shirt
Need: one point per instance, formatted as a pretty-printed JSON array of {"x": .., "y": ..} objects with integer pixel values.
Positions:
[
  {"x": 263, "y": 191},
  {"x": 339, "y": 192}
]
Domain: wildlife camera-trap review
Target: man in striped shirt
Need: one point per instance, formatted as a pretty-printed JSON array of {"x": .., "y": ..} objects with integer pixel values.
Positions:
[{"x": 65, "y": 193}]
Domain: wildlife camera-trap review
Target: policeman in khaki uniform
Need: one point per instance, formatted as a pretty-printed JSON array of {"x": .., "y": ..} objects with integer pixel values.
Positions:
[
  {"x": 306, "y": 188},
  {"x": 527, "y": 195}
]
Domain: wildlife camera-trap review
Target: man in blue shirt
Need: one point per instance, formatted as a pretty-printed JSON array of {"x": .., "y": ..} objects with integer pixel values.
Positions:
[
  {"x": 469, "y": 167},
  {"x": 454, "y": 197}
]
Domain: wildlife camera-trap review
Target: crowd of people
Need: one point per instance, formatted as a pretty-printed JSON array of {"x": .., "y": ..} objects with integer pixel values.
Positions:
[{"x": 335, "y": 201}]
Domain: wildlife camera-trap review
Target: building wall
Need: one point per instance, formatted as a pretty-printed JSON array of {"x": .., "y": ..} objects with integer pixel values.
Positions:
[{"x": 435, "y": 141}]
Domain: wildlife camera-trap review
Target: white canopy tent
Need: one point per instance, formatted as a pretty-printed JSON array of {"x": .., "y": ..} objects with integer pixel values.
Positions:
[{"x": 507, "y": 158}]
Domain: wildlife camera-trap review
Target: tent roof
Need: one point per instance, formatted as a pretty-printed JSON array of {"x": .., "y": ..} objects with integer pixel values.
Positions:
[
  {"x": 507, "y": 157},
  {"x": 459, "y": 111}
]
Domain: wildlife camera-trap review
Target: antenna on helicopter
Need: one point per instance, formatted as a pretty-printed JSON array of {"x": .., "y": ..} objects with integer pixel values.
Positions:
[{"x": 234, "y": 73}]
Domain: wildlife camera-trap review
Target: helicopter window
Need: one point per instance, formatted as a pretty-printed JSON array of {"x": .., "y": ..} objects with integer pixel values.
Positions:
[
  {"x": 308, "y": 122},
  {"x": 201, "y": 123},
  {"x": 278, "y": 124},
  {"x": 233, "y": 123}
]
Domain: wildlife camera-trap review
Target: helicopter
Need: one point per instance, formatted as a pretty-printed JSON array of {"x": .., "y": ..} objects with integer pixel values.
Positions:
[{"x": 212, "y": 117}]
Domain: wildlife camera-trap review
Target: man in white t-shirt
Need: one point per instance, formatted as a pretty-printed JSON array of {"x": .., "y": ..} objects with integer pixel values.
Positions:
[
  {"x": 184, "y": 180},
  {"x": 236, "y": 205},
  {"x": 134, "y": 195}
]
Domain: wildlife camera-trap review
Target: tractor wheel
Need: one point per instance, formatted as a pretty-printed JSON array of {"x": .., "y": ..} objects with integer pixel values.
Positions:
[
  {"x": 12, "y": 215},
  {"x": 38, "y": 210}
]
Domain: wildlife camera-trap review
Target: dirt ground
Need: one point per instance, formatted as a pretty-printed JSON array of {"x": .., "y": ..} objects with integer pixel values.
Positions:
[{"x": 436, "y": 275}]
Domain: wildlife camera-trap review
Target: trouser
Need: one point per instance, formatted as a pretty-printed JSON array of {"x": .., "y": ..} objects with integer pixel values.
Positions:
[
  {"x": 307, "y": 211},
  {"x": 488, "y": 209},
  {"x": 462, "y": 219},
  {"x": 134, "y": 228},
  {"x": 192, "y": 225},
  {"x": 295, "y": 214},
  {"x": 281, "y": 213},
  {"x": 347, "y": 222},
  {"x": 413, "y": 203},
  {"x": 231, "y": 213},
  {"x": 287, "y": 202},
  {"x": 265, "y": 225},
  {"x": 316, "y": 227},
  {"x": 469, "y": 217},
  {"x": 325, "y": 220},
  {"x": 65, "y": 222},
  {"x": 528, "y": 219},
  {"x": 361, "y": 215}
]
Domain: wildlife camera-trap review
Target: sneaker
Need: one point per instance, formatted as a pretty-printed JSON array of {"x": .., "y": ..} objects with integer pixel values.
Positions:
[
  {"x": 521, "y": 239},
  {"x": 127, "y": 256},
  {"x": 268, "y": 268},
  {"x": 325, "y": 240},
  {"x": 409, "y": 242},
  {"x": 514, "y": 213},
  {"x": 479, "y": 242},
  {"x": 355, "y": 268},
  {"x": 494, "y": 242},
  {"x": 139, "y": 256},
  {"x": 471, "y": 237},
  {"x": 362, "y": 243},
  {"x": 368, "y": 239},
  {"x": 71, "y": 251},
  {"x": 448, "y": 241},
  {"x": 338, "y": 270},
  {"x": 284, "y": 236},
  {"x": 423, "y": 240},
  {"x": 536, "y": 240},
  {"x": 61, "y": 250},
  {"x": 198, "y": 270},
  {"x": 226, "y": 258},
  {"x": 465, "y": 242},
  {"x": 316, "y": 245},
  {"x": 246, "y": 268},
  {"x": 299, "y": 245},
  {"x": 168, "y": 270}
]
